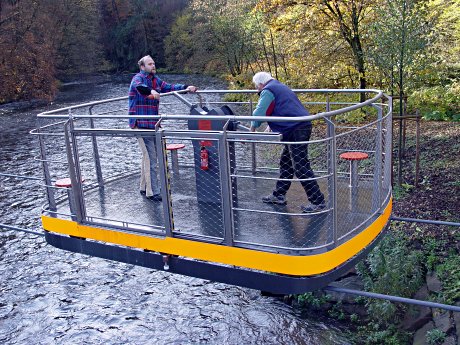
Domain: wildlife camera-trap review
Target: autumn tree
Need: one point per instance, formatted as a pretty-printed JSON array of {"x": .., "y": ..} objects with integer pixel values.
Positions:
[
  {"x": 45, "y": 40},
  {"x": 269, "y": 44},
  {"x": 225, "y": 32},
  {"x": 401, "y": 31},
  {"x": 135, "y": 28},
  {"x": 346, "y": 17},
  {"x": 182, "y": 50},
  {"x": 28, "y": 51},
  {"x": 79, "y": 49}
]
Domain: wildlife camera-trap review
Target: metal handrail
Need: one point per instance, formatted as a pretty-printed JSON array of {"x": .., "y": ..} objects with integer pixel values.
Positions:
[{"x": 379, "y": 95}]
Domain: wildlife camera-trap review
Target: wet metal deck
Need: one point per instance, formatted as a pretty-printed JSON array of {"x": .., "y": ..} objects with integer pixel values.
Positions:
[{"x": 255, "y": 223}]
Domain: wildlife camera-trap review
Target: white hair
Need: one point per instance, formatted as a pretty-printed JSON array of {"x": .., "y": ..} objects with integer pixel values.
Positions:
[{"x": 261, "y": 78}]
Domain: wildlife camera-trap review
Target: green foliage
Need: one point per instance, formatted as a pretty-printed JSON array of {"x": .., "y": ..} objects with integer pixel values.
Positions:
[
  {"x": 373, "y": 334},
  {"x": 224, "y": 32},
  {"x": 337, "y": 312},
  {"x": 354, "y": 318},
  {"x": 449, "y": 274},
  {"x": 354, "y": 117},
  {"x": 438, "y": 102},
  {"x": 317, "y": 44},
  {"x": 399, "y": 192},
  {"x": 399, "y": 35},
  {"x": 432, "y": 248},
  {"x": 134, "y": 28},
  {"x": 435, "y": 337},
  {"x": 407, "y": 187},
  {"x": 236, "y": 97},
  {"x": 312, "y": 300},
  {"x": 241, "y": 82},
  {"x": 394, "y": 269},
  {"x": 180, "y": 49}
]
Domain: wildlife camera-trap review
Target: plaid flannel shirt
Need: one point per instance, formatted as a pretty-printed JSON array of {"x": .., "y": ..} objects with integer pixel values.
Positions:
[{"x": 139, "y": 104}]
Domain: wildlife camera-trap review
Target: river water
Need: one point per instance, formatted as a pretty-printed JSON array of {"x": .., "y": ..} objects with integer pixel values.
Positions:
[{"x": 49, "y": 296}]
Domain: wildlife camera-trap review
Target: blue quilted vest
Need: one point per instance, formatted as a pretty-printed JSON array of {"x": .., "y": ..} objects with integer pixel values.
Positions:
[{"x": 286, "y": 104}]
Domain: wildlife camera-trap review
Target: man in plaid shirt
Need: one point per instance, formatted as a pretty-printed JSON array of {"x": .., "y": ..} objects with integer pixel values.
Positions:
[{"x": 144, "y": 99}]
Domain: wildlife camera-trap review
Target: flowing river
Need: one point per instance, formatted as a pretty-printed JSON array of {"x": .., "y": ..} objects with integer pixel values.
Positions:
[{"x": 50, "y": 296}]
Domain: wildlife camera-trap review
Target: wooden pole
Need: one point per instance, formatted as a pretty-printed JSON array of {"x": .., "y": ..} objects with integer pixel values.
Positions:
[{"x": 417, "y": 148}]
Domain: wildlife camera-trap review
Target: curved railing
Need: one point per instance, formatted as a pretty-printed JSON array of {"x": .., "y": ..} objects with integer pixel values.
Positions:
[{"x": 224, "y": 205}]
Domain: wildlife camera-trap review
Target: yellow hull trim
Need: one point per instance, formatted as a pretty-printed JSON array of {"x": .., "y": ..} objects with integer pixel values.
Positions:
[{"x": 264, "y": 261}]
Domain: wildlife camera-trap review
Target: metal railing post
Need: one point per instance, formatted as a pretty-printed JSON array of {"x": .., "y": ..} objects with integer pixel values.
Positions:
[
  {"x": 97, "y": 160},
  {"x": 165, "y": 181},
  {"x": 253, "y": 147},
  {"x": 388, "y": 153},
  {"x": 332, "y": 171},
  {"x": 377, "y": 190},
  {"x": 46, "y": 173},
  {"x": 417, "y": 147},
  {"x": 74, "y": 171},
  {"x": 226, "y": 187}
]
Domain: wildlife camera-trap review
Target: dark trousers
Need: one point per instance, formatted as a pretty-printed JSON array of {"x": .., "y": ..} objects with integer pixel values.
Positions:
[{"x": 294, "y": 160}]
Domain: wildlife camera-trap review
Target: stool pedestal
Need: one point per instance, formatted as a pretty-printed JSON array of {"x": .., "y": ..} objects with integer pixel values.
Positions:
[{"x": 354, "y": 157}]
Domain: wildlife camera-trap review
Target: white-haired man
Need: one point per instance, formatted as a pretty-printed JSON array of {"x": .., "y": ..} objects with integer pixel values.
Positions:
[
  {"x": 276, "y": 99},
  {"x": 144, "y": 99}
]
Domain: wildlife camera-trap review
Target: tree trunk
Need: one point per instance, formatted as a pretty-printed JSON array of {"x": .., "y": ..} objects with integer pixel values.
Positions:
[
  {"x": 401, "y": 92},
  {"x": 274, "y": 55},
  {"x": 359, "y": 60}
]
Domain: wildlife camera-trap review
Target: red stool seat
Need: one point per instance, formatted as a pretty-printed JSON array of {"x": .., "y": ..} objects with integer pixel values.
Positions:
[
  {"x": 65, "y": 182},
  {"x": 173, "y": 147},
  {"x": 354, "y": 156}
]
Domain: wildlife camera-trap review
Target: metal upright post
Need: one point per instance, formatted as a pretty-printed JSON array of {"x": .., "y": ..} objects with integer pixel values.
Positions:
[
  {"x": 417, "y": 147},
  {"x": 377, "y": 190},
  {"x": 75, "y": 176},
  {"x": 163, "y": 175},
  {"x": 332, "y": 172},
  {"x": 388, "y": 152},
  {"x": 253, "y": 148},
  {"x": 226, "y": 187},
  {"x": 46, "y": 172},
  {"x": 97, "y": 160}
]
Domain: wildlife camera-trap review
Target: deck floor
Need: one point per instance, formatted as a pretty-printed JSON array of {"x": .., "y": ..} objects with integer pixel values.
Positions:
[{"x": 255, "y": 222}]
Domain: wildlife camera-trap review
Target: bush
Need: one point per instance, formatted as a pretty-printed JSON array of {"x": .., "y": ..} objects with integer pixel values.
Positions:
[
  {"x": 435, "y": 337},
  {"x": 393, "y": 269},
  {"x": 449, "y": 274},
  {"x": 437, "y": 102}
]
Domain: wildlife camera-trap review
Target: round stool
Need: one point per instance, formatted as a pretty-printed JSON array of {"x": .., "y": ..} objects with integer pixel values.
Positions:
[
  {"x": 174, "y": 156},
  {"x": 354, "y": 157}
]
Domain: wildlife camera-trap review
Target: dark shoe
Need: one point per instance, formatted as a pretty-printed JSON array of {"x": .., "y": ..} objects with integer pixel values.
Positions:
[
  {"x": 313, "y": 208},
  {"x": 271, "y": 199},
  {"x": 142, "y": 192},
  {"x": 155, "y": 197}
]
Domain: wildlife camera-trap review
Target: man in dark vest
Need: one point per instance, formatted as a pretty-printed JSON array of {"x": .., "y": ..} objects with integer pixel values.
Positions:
[{"x": 276, "y": 99}]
